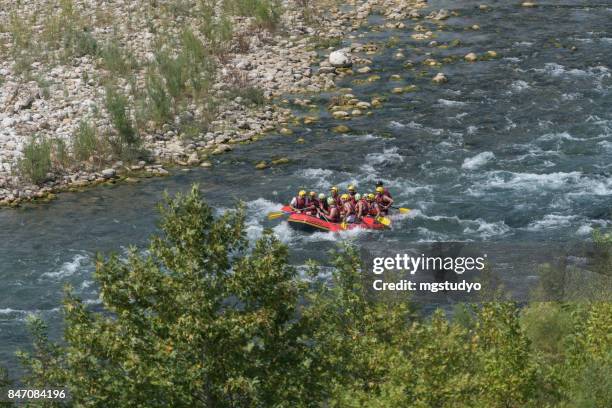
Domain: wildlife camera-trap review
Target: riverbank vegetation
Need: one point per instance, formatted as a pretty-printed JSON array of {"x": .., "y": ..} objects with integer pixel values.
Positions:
[
  {"x": 144, "y": 92},
  {"x": 206, "y": 318}
]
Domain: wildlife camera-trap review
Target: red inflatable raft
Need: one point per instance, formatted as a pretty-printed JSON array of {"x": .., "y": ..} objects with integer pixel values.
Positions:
[{"x": 310, "y": 223}]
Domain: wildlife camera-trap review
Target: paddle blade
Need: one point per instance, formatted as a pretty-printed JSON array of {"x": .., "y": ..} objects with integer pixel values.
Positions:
[
  {"x": 276, "y": 214},
  {"x": 344, "y": 225},
  {"x": 404, "y": 210},
  {"x": 384, "y": 221}
]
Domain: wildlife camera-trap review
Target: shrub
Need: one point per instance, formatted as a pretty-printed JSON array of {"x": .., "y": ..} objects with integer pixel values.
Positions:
[
  {"x": 198, "y": 68},
  {"x": 67, "y": 31},
  {"x": 78, "y": 42},
  {"x": 250, "y": 95},
  {"x": 266, "y": 12},
  {"x": 84, "y": 141},
  {"x": 115, "y": 60},
  {"x": 160, "y": 104},
  {"x": 36, "y": 161},
  {"x": 191, "y": 71},
  {"x": 127, "y": 143},
  {"x": 217, "y": 30},
  {"x": 59, "y": 153},
  {"x": 172, "y": 69}
]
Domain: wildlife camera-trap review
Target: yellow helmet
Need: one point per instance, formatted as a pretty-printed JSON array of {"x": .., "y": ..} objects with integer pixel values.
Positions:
[
  {"x": 371, "y": 196},
  {"x": 321, "y": 196},
  {"x": 313, "y": 194},
  {"x": 344, "y": 196},
  {"x": 302, "y": 193},
  {"x": 334, "y": 188},
  {"x": 351, "y": 188},
  {"x": 380, "y": 189}
]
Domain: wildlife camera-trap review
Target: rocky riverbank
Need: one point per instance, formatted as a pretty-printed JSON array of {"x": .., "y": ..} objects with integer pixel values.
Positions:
[{"x": 53, "y": 96}]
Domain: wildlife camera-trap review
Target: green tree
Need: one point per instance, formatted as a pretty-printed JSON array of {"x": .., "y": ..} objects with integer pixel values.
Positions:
[
  {"x": 4, "y": 383},
  {"x": 196, "y": 321},
  {"x": 204, "y": 319}
]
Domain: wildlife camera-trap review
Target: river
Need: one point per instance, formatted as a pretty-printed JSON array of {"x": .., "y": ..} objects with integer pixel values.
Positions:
[{"x": 514, "y": 149}]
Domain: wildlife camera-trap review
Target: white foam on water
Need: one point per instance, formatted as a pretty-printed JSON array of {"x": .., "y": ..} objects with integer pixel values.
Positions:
[
  {"x": 477, "y": 161},
  {"x": 396, "y": 125},
  {"x": 471, "y": 130},
  {"x": 317, "y": 179},
  {"x": 486, "y": 229},
  {"x": 431, "y": 236},
  {"x": 605, "y": 145},
  {"x": 510, "y": 124},
  {"x": 511, "y": 59},
  {"x": 257, "y": 211},
  {"x": 68, "y": 268},
  {"x": 418, "y": 126},
  {"x": 557, "y": 70},
  {"x": 551, "y": 221},
  {"x": 531, "y": 181},
  {"x": 314, "y": 173},
  {"x": 557, "y": 136},
  {"x": 523, "y": 43},
  {"x": 450, "y": 103},
  {"x": 388, "y": 156},
  {"x": 285, "y": 233},
  {"x": 519, "y": 86},
  {"x": 20, "y": 315},
  {"x": 86, "y": 284},
  {"x": 360, "y": 138},
  {"x": 585, "y": 229},
  {"x": 568, "y": 137},
  {"x": 572, "y": 96},
  {"x": 593, "y": 187}
]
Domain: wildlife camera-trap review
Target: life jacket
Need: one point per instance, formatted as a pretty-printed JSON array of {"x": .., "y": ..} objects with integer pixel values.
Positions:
[
  {"x": 300, "y": 202},
  {"x": 350, "y": 206},
  {"x": 364, "y": 204},
  {"x": 312, "y": 204},
  {"x": 379, "y": 199},
  {"x": 372, "y": 208},
  {"x": 337, "y": 199},
  {"x": 332, "y": 217}
]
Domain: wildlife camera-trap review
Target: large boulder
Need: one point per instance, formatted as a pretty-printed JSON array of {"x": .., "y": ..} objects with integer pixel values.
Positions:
[
  {"x": 471, "y": 57},
  {"x": 340, "y": 59},
  {"x": 109, "y": 173},
  {"x": 440, "y": 78}
]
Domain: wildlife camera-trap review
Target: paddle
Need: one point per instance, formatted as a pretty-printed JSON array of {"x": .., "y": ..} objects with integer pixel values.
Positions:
[
  {"x": 384, "y": 220},
  {"x": 275, "y": 214},
  {"x": 401, "y": 209}
]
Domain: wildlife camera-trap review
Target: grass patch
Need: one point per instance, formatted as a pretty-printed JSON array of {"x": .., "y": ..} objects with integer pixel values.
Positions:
[
  {"x": 266, "y": 13},
  {"x": 127, "y": 143},
  {"x": 36, "y": 162},
  {"x": 116, "y": 60},
  {"x": 160, "y": 103},
  {"x": 84, "y": 141},
  {"x": 326, "y": 42},
  {"x": 250, "y": 95}
]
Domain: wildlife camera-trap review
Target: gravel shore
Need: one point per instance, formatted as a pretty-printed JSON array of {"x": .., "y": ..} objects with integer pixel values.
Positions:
[{"x": 301, "y": 55}]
